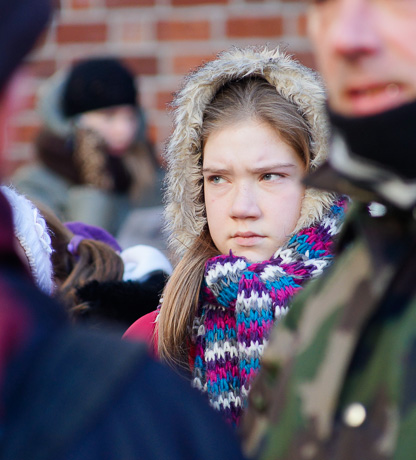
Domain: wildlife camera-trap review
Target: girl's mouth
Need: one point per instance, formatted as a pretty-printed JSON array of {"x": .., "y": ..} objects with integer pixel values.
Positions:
[{"x": 247, "y": 238}]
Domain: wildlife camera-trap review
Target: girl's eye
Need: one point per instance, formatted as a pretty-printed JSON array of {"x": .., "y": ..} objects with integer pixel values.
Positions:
[
  {"x": 215, "y": 179},
  {"x": 271, "y": 176}
]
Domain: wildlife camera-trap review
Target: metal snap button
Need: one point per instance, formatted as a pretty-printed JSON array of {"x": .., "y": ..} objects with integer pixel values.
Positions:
[{"x": 354, "y": 415}]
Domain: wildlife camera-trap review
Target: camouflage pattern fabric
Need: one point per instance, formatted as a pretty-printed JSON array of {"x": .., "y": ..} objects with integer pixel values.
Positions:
[{"x": 338, "y": 379}]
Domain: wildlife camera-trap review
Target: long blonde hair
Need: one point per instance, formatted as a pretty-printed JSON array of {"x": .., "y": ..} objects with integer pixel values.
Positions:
[{"x": 238, "y": 100}]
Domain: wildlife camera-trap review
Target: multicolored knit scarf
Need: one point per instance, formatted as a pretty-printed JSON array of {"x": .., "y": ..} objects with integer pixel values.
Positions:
[{"x": 240, "y": 303}]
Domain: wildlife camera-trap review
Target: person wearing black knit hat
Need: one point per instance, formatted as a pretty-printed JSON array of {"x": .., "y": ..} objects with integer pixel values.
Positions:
[
  {"x": 100, "y": 95},
  {"x": 98, "y": 83},
  {"x": 67, "y": 392},
  {"x": 96, "y": 162}
]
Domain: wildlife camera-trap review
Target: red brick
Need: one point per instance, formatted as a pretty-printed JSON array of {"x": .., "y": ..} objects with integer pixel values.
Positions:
[
  {"x": 302, "y": 25},
  {"x": 27, "y": 89},
  {"x": 131, "y": 32},
  {"x": 306, "y": 59},
  {"x": 157, "y": 137},
  {"x": 158, "y": 133},
  {"x": 80, "y": 4},
  {"x": 31, "y": 101},
  {"x": 152, "y": 132},
  {"x": 43, "y": 68},
  {"x": 10, "y": 165},
  {"x": 184, "y": 64},
  {"x": 181, "y": 30},
  {"x": 142, "y": 65},
  {"x": 79, "y": 33},
  {"x": 163, "y": 99},
  {"x": 128, "y": 3},
  {"x": 198, "y": 2},
  {"x": 26, "y": 133},
  {"x": 255, "y": 27}
]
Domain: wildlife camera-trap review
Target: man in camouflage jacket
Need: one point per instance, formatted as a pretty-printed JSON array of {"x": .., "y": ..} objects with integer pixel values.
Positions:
[{"x": 338, "y": 379}]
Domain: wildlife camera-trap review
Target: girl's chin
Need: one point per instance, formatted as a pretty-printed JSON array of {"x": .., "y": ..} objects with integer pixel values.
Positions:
[
  {"x": 117, "y": 151},
  {"x": 251, "y": 255}
]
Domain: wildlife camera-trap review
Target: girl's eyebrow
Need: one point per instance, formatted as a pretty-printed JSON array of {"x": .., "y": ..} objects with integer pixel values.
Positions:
[
  {"x": 260, "y": 169},
  {"x": 273, "y": 166},
  {"x": 214, "y": 170}
]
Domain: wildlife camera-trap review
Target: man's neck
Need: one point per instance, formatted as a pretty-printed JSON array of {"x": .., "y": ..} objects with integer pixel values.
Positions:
[
  {"x": 386, "y": 140},
  {"x": 378, "y": 151}
]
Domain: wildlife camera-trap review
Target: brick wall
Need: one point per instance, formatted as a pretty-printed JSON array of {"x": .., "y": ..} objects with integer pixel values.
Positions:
[{"x": 161, "y": 40}]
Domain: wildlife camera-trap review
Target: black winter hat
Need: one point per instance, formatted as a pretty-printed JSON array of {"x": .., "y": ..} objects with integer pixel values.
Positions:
[{"x": 98, "y": 83}]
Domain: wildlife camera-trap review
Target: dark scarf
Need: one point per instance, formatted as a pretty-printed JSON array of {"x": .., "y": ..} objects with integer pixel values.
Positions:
[
  {"x": 57, "y": 153},
  {"x": 387, "y": 140}
]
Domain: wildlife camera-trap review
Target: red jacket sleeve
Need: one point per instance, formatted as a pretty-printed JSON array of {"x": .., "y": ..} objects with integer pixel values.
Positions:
[{"x": 144, "y": 330}]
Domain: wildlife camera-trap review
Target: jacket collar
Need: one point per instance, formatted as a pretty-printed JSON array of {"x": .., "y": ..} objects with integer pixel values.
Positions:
[{"x": 347, "y": 173}]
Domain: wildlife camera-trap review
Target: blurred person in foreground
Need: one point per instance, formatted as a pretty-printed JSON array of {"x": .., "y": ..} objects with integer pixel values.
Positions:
[
  {"x": 95, "y": 163},
  {"x": 68, "y": 393},
  {"x": 338, "y": 376}
]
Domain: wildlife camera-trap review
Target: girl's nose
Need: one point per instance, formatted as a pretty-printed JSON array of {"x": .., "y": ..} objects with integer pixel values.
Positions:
[{"x": 244, "y": 203}]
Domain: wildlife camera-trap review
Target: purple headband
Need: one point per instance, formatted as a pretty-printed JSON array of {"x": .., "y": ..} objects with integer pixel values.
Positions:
[
  {"x": 74, "y": 243},
  {"x": 90, "y": 232}
]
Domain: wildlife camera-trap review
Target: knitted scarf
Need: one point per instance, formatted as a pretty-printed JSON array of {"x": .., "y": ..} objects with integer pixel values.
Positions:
[{"x": 240, "y": 302}]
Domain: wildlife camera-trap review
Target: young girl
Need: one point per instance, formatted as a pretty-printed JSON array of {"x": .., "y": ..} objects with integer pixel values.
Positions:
[
  {"x": 248, "y": 126},
  {"x": 97, "y": 281}
]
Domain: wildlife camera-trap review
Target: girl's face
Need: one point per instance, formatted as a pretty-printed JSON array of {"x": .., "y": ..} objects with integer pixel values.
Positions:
[
  {"x": 116, "y": 125},
  {"x": 252, "y": 189}
]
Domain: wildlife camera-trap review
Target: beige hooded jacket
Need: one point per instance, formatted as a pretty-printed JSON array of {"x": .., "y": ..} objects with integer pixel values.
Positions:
[{"x": 185, "y": 215}]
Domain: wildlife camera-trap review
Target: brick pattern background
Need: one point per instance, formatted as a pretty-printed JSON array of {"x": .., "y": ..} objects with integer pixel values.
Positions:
[{"x": 161, "y": 40}]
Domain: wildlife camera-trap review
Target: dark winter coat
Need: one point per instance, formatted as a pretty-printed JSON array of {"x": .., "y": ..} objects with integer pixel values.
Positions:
[{"x": 68, "y": 393}]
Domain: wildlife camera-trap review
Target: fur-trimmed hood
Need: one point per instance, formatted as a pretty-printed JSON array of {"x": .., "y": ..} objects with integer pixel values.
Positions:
[{"x": 185, "y": 215}]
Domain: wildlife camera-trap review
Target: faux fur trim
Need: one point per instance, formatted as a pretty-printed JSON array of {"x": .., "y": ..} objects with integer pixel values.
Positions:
[
  {"x": 34, "y": 237},
  {"x": 184, "y": 214}
]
